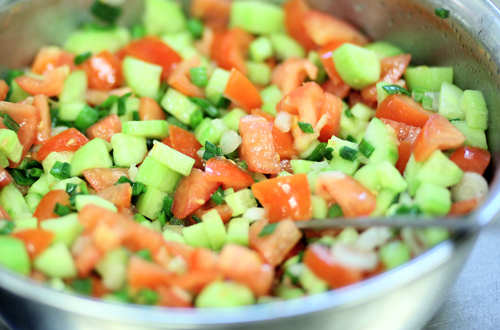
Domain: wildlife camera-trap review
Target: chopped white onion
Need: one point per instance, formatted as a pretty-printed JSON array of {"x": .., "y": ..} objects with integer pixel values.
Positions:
[
  {"x": 349, "y": 256},
  {"x": 318, "y": 166},
  {"x": 410, "y": 237},
  {"x": 116, "y": 276},
  {"x": 283, "y": 121},
  {"x": 372, "y": 238},
  {"x": 254, "y": 214},
  {"x": 472, "y": 185},
  {"x": 177, "y": 265},
  {"x": 200, "y": 153},
  {"x": 59, "y": 129},
  {"x": 132, "y": 172},
  {"x": 230, "y": 141}
]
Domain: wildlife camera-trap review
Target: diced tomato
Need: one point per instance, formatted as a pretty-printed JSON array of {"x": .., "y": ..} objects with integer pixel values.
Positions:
[
  {"x": 463, "y": 207},
  {"x": 283, "y": 142},
  {"x": 149, "y": 109},
  {"x": 353, "y": 198},
  {"x": 192, "y": 192},
  {"x": 405, "y": 149},
  {"x": 323, "y": 29},
  {"x": 153, "y": 50},
  {"x": 44, "y": 126},
  {"x": 229, "y": 49},
  {"x": 257, "y": 112},
  {"x": 319, "y": 259},
  {"x": 141, "y": 238},
  {"x": 27, "y": 117},
  {"x": 36, "y": 240},
  {"x": 214, "y": 13},
  {"x": 180, "y": 78},
  {"x": 332, "y": 108},
  {"x": 144, "y": 274},
  {"x": 437, "y": 133},
  {"x": 304, "y": 101},
  {"x": 4, "y": 90},
  {"x": 185, "y": 142},
  {"x": 180, "y": 249},
  {"x": 405, "y": 132},
  {"x": 257, "y": 148},
  {"x": 45, "y": 209},
  {"x": 241, "y": 91},
  {"x": 291, "y": 73},
  {"x": 69, "y": 140},
  {"x": 51, "y": 85},
  {"x": 203, "y": 260},
  {"x": 107, "y": 237},
  {"x": 243, "y": 265},
  {"x": 295, "y": 11},
  {"x": 195, "y": 281},
  {"x": 105, "y": 128},
  {"x": 471, "y": 159},
  {"x": 341, "y": 90},
  {"x": 219, "y": 169},
  {"x": 98, "y": 287},
  {"x": 325, "y": 53},
  {"x": 174, "y": 297},
  {"x": 120, "y": 195},
  {"x": 50, "y": 58},
  {"x": 4, "y": 214},
  {"x": 5, "y": 178},
  {"x": 287, "y": 197},
  {"x": 273, "y": 248},
  {"x": 87, "y": 260},
  {"x": 102, "y": 178},
  {"x": 103, "y": 71},
  {"x": 402, "y": 108},
  {"x": 286, "y": 166}
]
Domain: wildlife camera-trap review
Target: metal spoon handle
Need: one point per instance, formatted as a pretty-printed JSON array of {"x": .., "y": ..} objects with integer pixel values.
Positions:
[{"x": 450, "y": 223}]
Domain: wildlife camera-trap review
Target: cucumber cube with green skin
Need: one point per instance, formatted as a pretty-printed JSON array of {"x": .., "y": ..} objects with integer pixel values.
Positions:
[
  {"x": 163, "y": 17},
  {"x": 155, "y": 174},
  {"x": 215, "y": 229},
  {"x": 432, "y": 236},
  {"x": 473, "y": 137},
  {"x": 390, "y": 177},
  {"x": 128, "y": 149},
  {"x": 70, "y": 111},
  {"x": 384, "y": 141},
  {"x": 394, "y": 254},
  {"x": 384, "y": 49},
  {"x": 259, "y": 73},
  {"x": 62, "y": 184},
  {"x": 142, "y": 77},
  {"x": 178, "y": 41},
  {"x": 301, "y": 166},
  {"x": 232, "y": 118},
  {"x": 241, "y": 201},
  {"x": 216, "y": 86},
  {"x": 225, "y": 294},
  {"x": 66, "y": 229},
  {"x": 83, "y": 200},
  {"x": 41, "y": 186},
  {"x": 131, "y": 104},
  {"x": 75, "y": 88},
  {"x": 53, "y": 157},
  {"x": 433, "y": 199},
  {"x": 178, "y": 105},
  {"x": 94, "y": 154},
  {"x": 4, "y": 161},
  {"x": 56, "y": 261},
  {"x": 410, "y": 175},
  {"x": 172, "y": 236},
  {"x": 26, "y": 223},
  {"x": 95, "y": 41},
  {"x": 430, "y": 78},
  {"x": 257, "y": 17},
  {"x": 113, "y": 268},
  {"x": 385, "y": 198},
  {"x": 369, "y": 178},
  {"x": 261, "y": 49},
  {"x": 439, "y": 170},
  {"x": 17, "y": 93},
  {"x": 210, "y": 130},
  {"x": 362, "y": 112},
  {"x": 474, "y": 106},
  {"x": 32, "y": 200},
  {"x": 196, "y": 236},
  {"x": 286, "y": 47},
  {"x": 172, "y": 158},
  {"x": 271, "y": 96},
  {"x": 14, "y": 256},
  {"x": 150, "y": 129},
  {"x": 449, "y": 102},
  {"x": 10, "y": 145},
  {"x": 381, "y": 93},
  {"x": 357, "y": 66},
  {"x": 346, "y": 166},
  {"x": 238, "y": 231},
  {"x": 320, "y": 208},
  {"x": 312, "y": 283},
  {"x": 150, "y": 203},
  {"x": 12, "y": 200}
]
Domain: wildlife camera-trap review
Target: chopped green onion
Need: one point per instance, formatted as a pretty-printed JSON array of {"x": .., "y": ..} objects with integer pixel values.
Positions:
[
  {"x": 328, "y": 153},
  {"x": 195, "y": 28},
  {"x": 71, "y": 188},
  {"x": 243, "y": 165},
  {"x": 135, "y": 116},
  {"x": 178, "y": 222},
  {"x": 442, "y": 13},
  {"x": 137, "y": 187},
  {"x": 218, "y": 196},
  {"x": 348, "y": 153},
  {"x": 86, "y": 118},
  {"x": 147, "y": 297},
  {"x": 223, "y": 103},
  {"x": 176, "y": 122},
  {"x": 317, "y": 155},
  {"x": 8, "y": 227},
  {"x": 162, "y": 219},
  {"x": 60, "y": 170},
  {"x": 109, "y": 102},
  {"x": 29, "y": 164},
  {"x": 395, "y": 89},
  {"x": 195, "y": 118},
  {"x": 207, "y": 107},
  {"x": 10, "y": 123},
  {"x": 83, "y": 188},
  {"x": 306, "y": 127},
  {"x": 419, "y": 93},
  {"x": 105, "y": 12},
  {"x": 301, "y": 256},
  {"x": 348, "y": 113},
  {"x": 138, "y": 31},
  {"x": 80, "y": 59},
  {"x": 168, "y": 201},
  {"x": 427, "y": 103},
  {"x": 211, "y": 150},
  {"x": 21, "y": 177},
  {"x": 335, "y": 211},
  {"x": 122, "y": 295},
  {"x": 268, "y": 229},
  {"x": 139, "y": 218},
  {"x": 454, "y": 119},
  {"x": 92, "y": 26},
  {"x": 199, "y": 76},
  {"x": 162, "y": 91},
  {"x": 351, "y": 138},
  {"x": 35, "y": 172},
  {"x": 82, "y": 285},
  {"x": 121, "y": 104},
  {"x": 145, "y": 254},
  {"x": 196, "y": 218},
  {"x": 61, "y": 210},
  {"x": 408, "y": 210},
  {"x": 366, "y": 148}
]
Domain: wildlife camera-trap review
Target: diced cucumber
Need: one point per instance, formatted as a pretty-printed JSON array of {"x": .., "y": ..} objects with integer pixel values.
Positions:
[
  {"x": 358, "y": 67},
  {"x": 56, "y": 261},
  {"x": 301, "y": 166},
  {"x": 172, "y": 158},
  {"x": 17, "y": 94},
  {"x": 178, "y": 41},
  {"x": 214, "y": 227},
  {"x": 70, "y": 111},
  {"x": 439, "y": 170},
  {"x": 241, "y": 201},
  {"x": 196, "y": 235},
  {"x": 320, "y": 207},
  {"x": 346, "y": 166},
  {"x": 430, "y": 78},
  {"x": 433, "y": 199},
  {"x": 12, "y": 200},
  {"x": 473, "y": 137},
  {"x": 14, "y": 256},
  {"x": 449, "y": 102},
  {"x": 75, "y": 88},
  {"x": 132, "y": 104},
  {"x": 163, "y": 17},
  {"x": 383, "y": 140},
  {"x": 40, "y": 187},
  {"x": 390, "y": 177},
  {"x": 410, "y": 175},
  {"x": 432, "y": 236},
  {"x": 153, "y": 173},
  {"x": 170, "y": 235},
  {"x": 381, "y": 93},
  {"x": 179, "y": 106},
  {"x": 84, "y": 200},
  {"x": 94, "y": 154},
  {"x": 312, "y": 283},
  {"x": 32, "y": 200},
  {"x": 362, "y": 112},
  {"x": 66, "y": 229},
  {"x": 261, "y": 49},
  {"x": 384, "y": 49},
  {"x": 113, "y": 269},
  {"x": 351, "y": 126},
  {"x": 62, "y": 184},
  {"x": 95, "y": 41},
  {"x": 368, "y": 177},
  {"x": 210, "y": 130},
  {"x": 26, "y": 223},
  {"x": 10, "y": 145},
  {"x": 142, "y": 77},
  {"x": 473, "y": 105},
  {"x": 128, "y": 149},
  {"x": 257, "y": 17},
  {"x": 4, "y": 161},
  {"x": 238, "y": 231},
  {"x": 225, "y": 294},
  {"x": 394, "y": 254},
  {"x": 53, "y": 157},
  {"x": 232, "y": 118},
  {"x": 259, "y": 73},
  {"x": 150, "y": 203},
  {"x": 385, "y": 198},
  {"x": 150, "y": 129},
  {"x": 271, "y": 96},
  {"x": 286, "y": 47},
  {"x": 216, "y": 85}
]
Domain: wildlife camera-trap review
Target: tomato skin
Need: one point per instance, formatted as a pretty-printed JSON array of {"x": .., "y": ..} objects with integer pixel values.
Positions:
[
  {"x": 332, "y": 108},
  {"x": 144, "y": 274},
  {"x": 4, "y": 90},
  {"x": 471, "y": 159},
  {"x": 257, "y": 148},
  {"x": 69, "y": 140},
  {"x": 5, "y": 178},
  {"x": 437, "y": 133},
  {"x": 192, "y": 192},
  {"x": 103, "y": 71},
  {"x": 185, "y": 142},
  {"x": 304, "y": 101},
  {"x": 50, "y": 58},
  {"x": 353, "y": 198},
  {"x": 105, "y": 128},
  {"x": 36, "y": 240},
  {"x": 463, "y": 207},
  {"x": 325, "y": 54},
  {"x": 87, "y": 260},
  {"x": 44, "y": 126},
  {"x": 174, "y": 297},
  {"x": 45, "y": 209},
  {"x": 287, "y": 197},
  {"x": 405, "y": 149},
  {"x": 214, "y": 13},
  {"x": 275, "y": 247},
  {"x": 120, "y": 195},
  {"x": 149, "y": 109},
  {"x": 283, "y": 143},
  {"x": 294, "y": 22},
  {"x": 405, "y": 132},
  {"x": 229, "y": 48},
  {"x": 402, "y": 108},
  {"x": 180, "y": 78},
  {"x": 51, "y": 85},
  {"x": 320, "y": 260},
  {"x": 102, "y": 178},
  {"x": 241, "y": 91},
  {"x": 153, "y": 50},
  {"x": 219, "y": 169},
  {"x": 291, "y": 73},
  {"x": 341, "y": 90}
]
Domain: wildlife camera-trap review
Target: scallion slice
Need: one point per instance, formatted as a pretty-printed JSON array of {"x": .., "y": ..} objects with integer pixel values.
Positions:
[
  {"x": 86, "y": 118},
  {"x": 348, "y": 153},
  {"x": 195, "y": 118},
  {"x": 60, "y": 170},
  {"x": 105, "y": 12},
  {"x": 61, "y": 210},
  {"x": 366, "y": 148},
  {"x": 268, "y": 229},
  {"x": 121, "y": 104},
  {"x": 306, "y": 127},
  {"x": 395, "y": 89},
  {"x": 10, "y": 123},
  {"x": 80, "y": 59},
  {"x": 442, "y": 13},
  {"x": 199, "y": 76},
  {"x": 207, "y": 107},
  {"x": 195, "y": 27},
  {"x": 218, "y": 196}
]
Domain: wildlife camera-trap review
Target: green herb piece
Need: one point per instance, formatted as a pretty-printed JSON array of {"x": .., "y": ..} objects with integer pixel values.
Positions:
[
  {"x": 72, "y": 188},
  {"x": 61, "y": 210},
  {"x": 335, "y": 211},
  {"x": 109, "y": 102},
  {"x": 35, "y": 172},
  {"x": 60, "y": 170},
  {"x": 139, "y": 218},
  {"x": 137, "y": 187},
  {"x": 137, "y": 31},
  {"x": 366, "y": 148},
  {"x": 395, "y": 89},
  {"x": 121, "y": 104},
  {"x": 351, "y": 138},
  {"x": 419, "y": 93},
  {"x": 348, "y": 153},
  {"x": 195, "y": 118},
  {"x": 168, "y": 201},
  {"x": 105, "y": 12},
  {"x": 211, "y": 150},
  {"x": 317, "y": 155},
  {"x": 22, "y": 178},
  {"x": 11, "y": 75},
  {"x": 199, "y": 76},
  {"x": 80, "y": 59},
  {"x": 147, "y": 297},
  {"x": 306, "y": 127},
  {"x": 83, "y": 188},
  {"x": 82, "y": 286},
  {"x": 162, "y": 218},
  {"x": 8, "y": 227},
  {"x": 268, "y": 229},
  {"x": 301, "y": 256},
  {"x": 135, "y": 116},
  {"x": 86, "y": 118},
  {"x": 243, "y": 165},
  {"x": 145, "y": 254},
  {"x": 195, "y": 28},
  {"x": 176, "y": 122},
  {"x": 454, "y": 119},
  {"x": 196, "y": 218},
  {"x": 442, "y": 13},
  {"x": 328, "y": 153},
  {"x": 348, "y": 113},
  {"x": 223, "y": 103},
  {"x": 10, "y": 123},
  {"x": 218, "y": 196},
  {"x": 207, "y": 107},
  {"x": 408, "y": 210},
  {"x": 162, "y": 91}
]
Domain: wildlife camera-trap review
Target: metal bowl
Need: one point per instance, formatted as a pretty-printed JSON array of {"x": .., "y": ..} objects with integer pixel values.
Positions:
[{"x": 403, "y": 298}]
